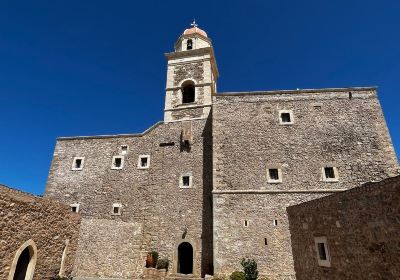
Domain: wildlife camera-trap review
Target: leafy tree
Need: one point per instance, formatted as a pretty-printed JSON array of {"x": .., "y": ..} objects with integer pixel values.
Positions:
[{"x": 250, "y": 269}]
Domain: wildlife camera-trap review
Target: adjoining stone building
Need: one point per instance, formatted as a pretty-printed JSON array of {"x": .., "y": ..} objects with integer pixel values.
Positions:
[
  {"x": 349, "y": 235},
  {"x": 210, "y": 184},
  {"x": 38, "y": 237}
]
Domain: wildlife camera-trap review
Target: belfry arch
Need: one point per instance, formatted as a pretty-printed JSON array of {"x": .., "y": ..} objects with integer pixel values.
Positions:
[{"x": 23, "y": 265}]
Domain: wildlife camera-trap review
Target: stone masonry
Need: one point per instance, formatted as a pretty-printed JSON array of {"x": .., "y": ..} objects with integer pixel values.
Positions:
[
  {"x": 46, "y": 224},
  {"x": 206, "y": 181},
  {"x": 362, "y": 230},
  {"x": 329, "y": 128}
]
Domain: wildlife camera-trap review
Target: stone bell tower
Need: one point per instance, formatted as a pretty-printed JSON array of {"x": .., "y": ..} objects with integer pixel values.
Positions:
[{"x": 191, "y": 77}]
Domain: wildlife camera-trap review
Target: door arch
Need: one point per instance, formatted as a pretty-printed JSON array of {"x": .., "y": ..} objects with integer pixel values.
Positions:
[
  {"x": 185, "y": 258},
  {"x": 24, "y": 262}
]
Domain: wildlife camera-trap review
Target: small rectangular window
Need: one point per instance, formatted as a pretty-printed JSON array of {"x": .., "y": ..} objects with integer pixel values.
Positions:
[
  {"x": 124, "y": 149},
  {"x": 118, "y": 162},
  {"x": 77, "y": 163},
  {"x": 274, "y": 175},
  {"x": 285, "y": 117},
  {"x": 265, "y": 241},
  {"x": 322, "y": 250},
  {"x": 75, "y": 207},
  {"x": 116, "y": 209},
  {"x": 186, "y": 180},
  {"x": 246, "y": 223},
  {"x": 144, "y": 162},
  {"x": 275, "y": 222},
  {"x": 330, "y": 174}
]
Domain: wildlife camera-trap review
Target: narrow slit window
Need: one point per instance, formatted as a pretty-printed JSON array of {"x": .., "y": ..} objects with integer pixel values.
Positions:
[
  {"x": 246, "y": 223},
  {"x": 322, "y": 251},
  {"x": 265, "y": 241},
  {"x": 275, "y": 222},
  {"x": 185, "y": 181}
]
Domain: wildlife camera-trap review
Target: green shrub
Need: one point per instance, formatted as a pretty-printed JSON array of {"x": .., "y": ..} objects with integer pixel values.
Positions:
[
  {"x": 237, "y": 275},
  {"x": 154, "y": 254},
  {"x": 162, "y": 263},
  {"x": 250, "y": 269}
]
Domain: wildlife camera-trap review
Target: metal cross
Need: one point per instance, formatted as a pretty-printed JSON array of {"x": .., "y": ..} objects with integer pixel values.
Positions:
[{"x": 194, "y": 24}]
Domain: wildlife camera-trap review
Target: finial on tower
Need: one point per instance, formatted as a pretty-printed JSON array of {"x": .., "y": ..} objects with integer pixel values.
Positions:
[{"x": 194, "y": 24}]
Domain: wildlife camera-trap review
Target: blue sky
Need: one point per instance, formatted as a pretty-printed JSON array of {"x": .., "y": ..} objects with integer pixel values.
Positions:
[{"x": 97, "y": 67}]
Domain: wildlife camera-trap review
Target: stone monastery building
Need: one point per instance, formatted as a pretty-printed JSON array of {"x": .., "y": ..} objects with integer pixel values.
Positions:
[{"x": 210, "y": 183}]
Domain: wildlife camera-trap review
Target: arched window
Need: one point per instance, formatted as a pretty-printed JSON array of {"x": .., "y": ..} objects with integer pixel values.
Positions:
[
  {"x": 188, "y": 92},
  {"x": 24, "y": 262},
  {"x": 189, "y": 44}
]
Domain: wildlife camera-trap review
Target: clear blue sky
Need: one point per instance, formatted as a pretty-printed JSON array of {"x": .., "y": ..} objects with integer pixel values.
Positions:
[{"x": 97, "y": 67}]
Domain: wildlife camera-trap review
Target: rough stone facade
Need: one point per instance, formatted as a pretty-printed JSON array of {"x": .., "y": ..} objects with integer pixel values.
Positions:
[
  {"x": 225, "y": 144},
  {"x": 156, "y": 213},
  {"x": 46, "y": 224},
  {"x": 329, "y": 128},
  {"x": 362, "y": 230}
]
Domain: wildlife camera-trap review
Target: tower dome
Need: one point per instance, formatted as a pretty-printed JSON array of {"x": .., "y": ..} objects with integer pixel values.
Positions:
[
  {"x": 195, "y": 30},
  {"x": 192, "y": 39}
]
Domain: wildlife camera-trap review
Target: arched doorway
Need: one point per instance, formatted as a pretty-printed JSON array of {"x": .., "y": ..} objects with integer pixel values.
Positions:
[
  {"x": 24, "y": 262},
  {"x": 185, "y": 258}
]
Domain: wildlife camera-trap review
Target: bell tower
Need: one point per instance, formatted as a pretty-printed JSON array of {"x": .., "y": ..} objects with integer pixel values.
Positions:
[{"x": 191, "y": 77}]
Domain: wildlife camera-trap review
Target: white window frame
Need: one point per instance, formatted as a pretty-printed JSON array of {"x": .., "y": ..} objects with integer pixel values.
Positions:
[
  {"x": 113, "y": 162},
  {"x": 323, "y": 240},
  {"x": 190, "y": 180},
  {"x": 74, "y": 161},
  {"x": 335, "y": 172},
  {"x": 244, "y": 223},
  {"x": 273, "y": 181},
  {"x": 75, "y": 205},
  {"x": 139, "y": 166},
  {"x": 126, "y": 151},
  {"x": 290, "y": 112},
  {"x": 116, "y": 205}
]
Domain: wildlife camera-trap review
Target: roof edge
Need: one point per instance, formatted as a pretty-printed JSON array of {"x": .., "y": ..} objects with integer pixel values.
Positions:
[
  {"x": 296, "y": 91},
  {"x": 112, "y": 136}
]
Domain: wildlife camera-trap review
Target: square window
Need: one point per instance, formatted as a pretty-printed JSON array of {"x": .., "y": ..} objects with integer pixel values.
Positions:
[
  {"x": 186, "y": 181},
  {"x": 144, "y": 162},
  {"x": 74, "y": 207},
  {"x": 330, "y": 174},
  {"x": 117, "y": 162},
  {"x": 285, "y": 117},
  {"x": 322, "y": 250},
  {"x": 116, "y": 209},
  {"x": 77, "y": 163},
  {"x": 274, "y": 175},
  {"x": 124, "y": 149}
]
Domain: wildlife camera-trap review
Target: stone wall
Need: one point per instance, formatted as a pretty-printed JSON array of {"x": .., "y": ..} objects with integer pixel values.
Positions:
[
  {"x": 48, "y": 224},
  {"x": 331, "y": 127},
  {"x": 362, "y": 230},
  {"x": 151, "y": 198}
]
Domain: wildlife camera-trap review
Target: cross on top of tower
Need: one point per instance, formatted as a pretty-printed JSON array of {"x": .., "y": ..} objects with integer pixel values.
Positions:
[{"x": 194, "y": 24}]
